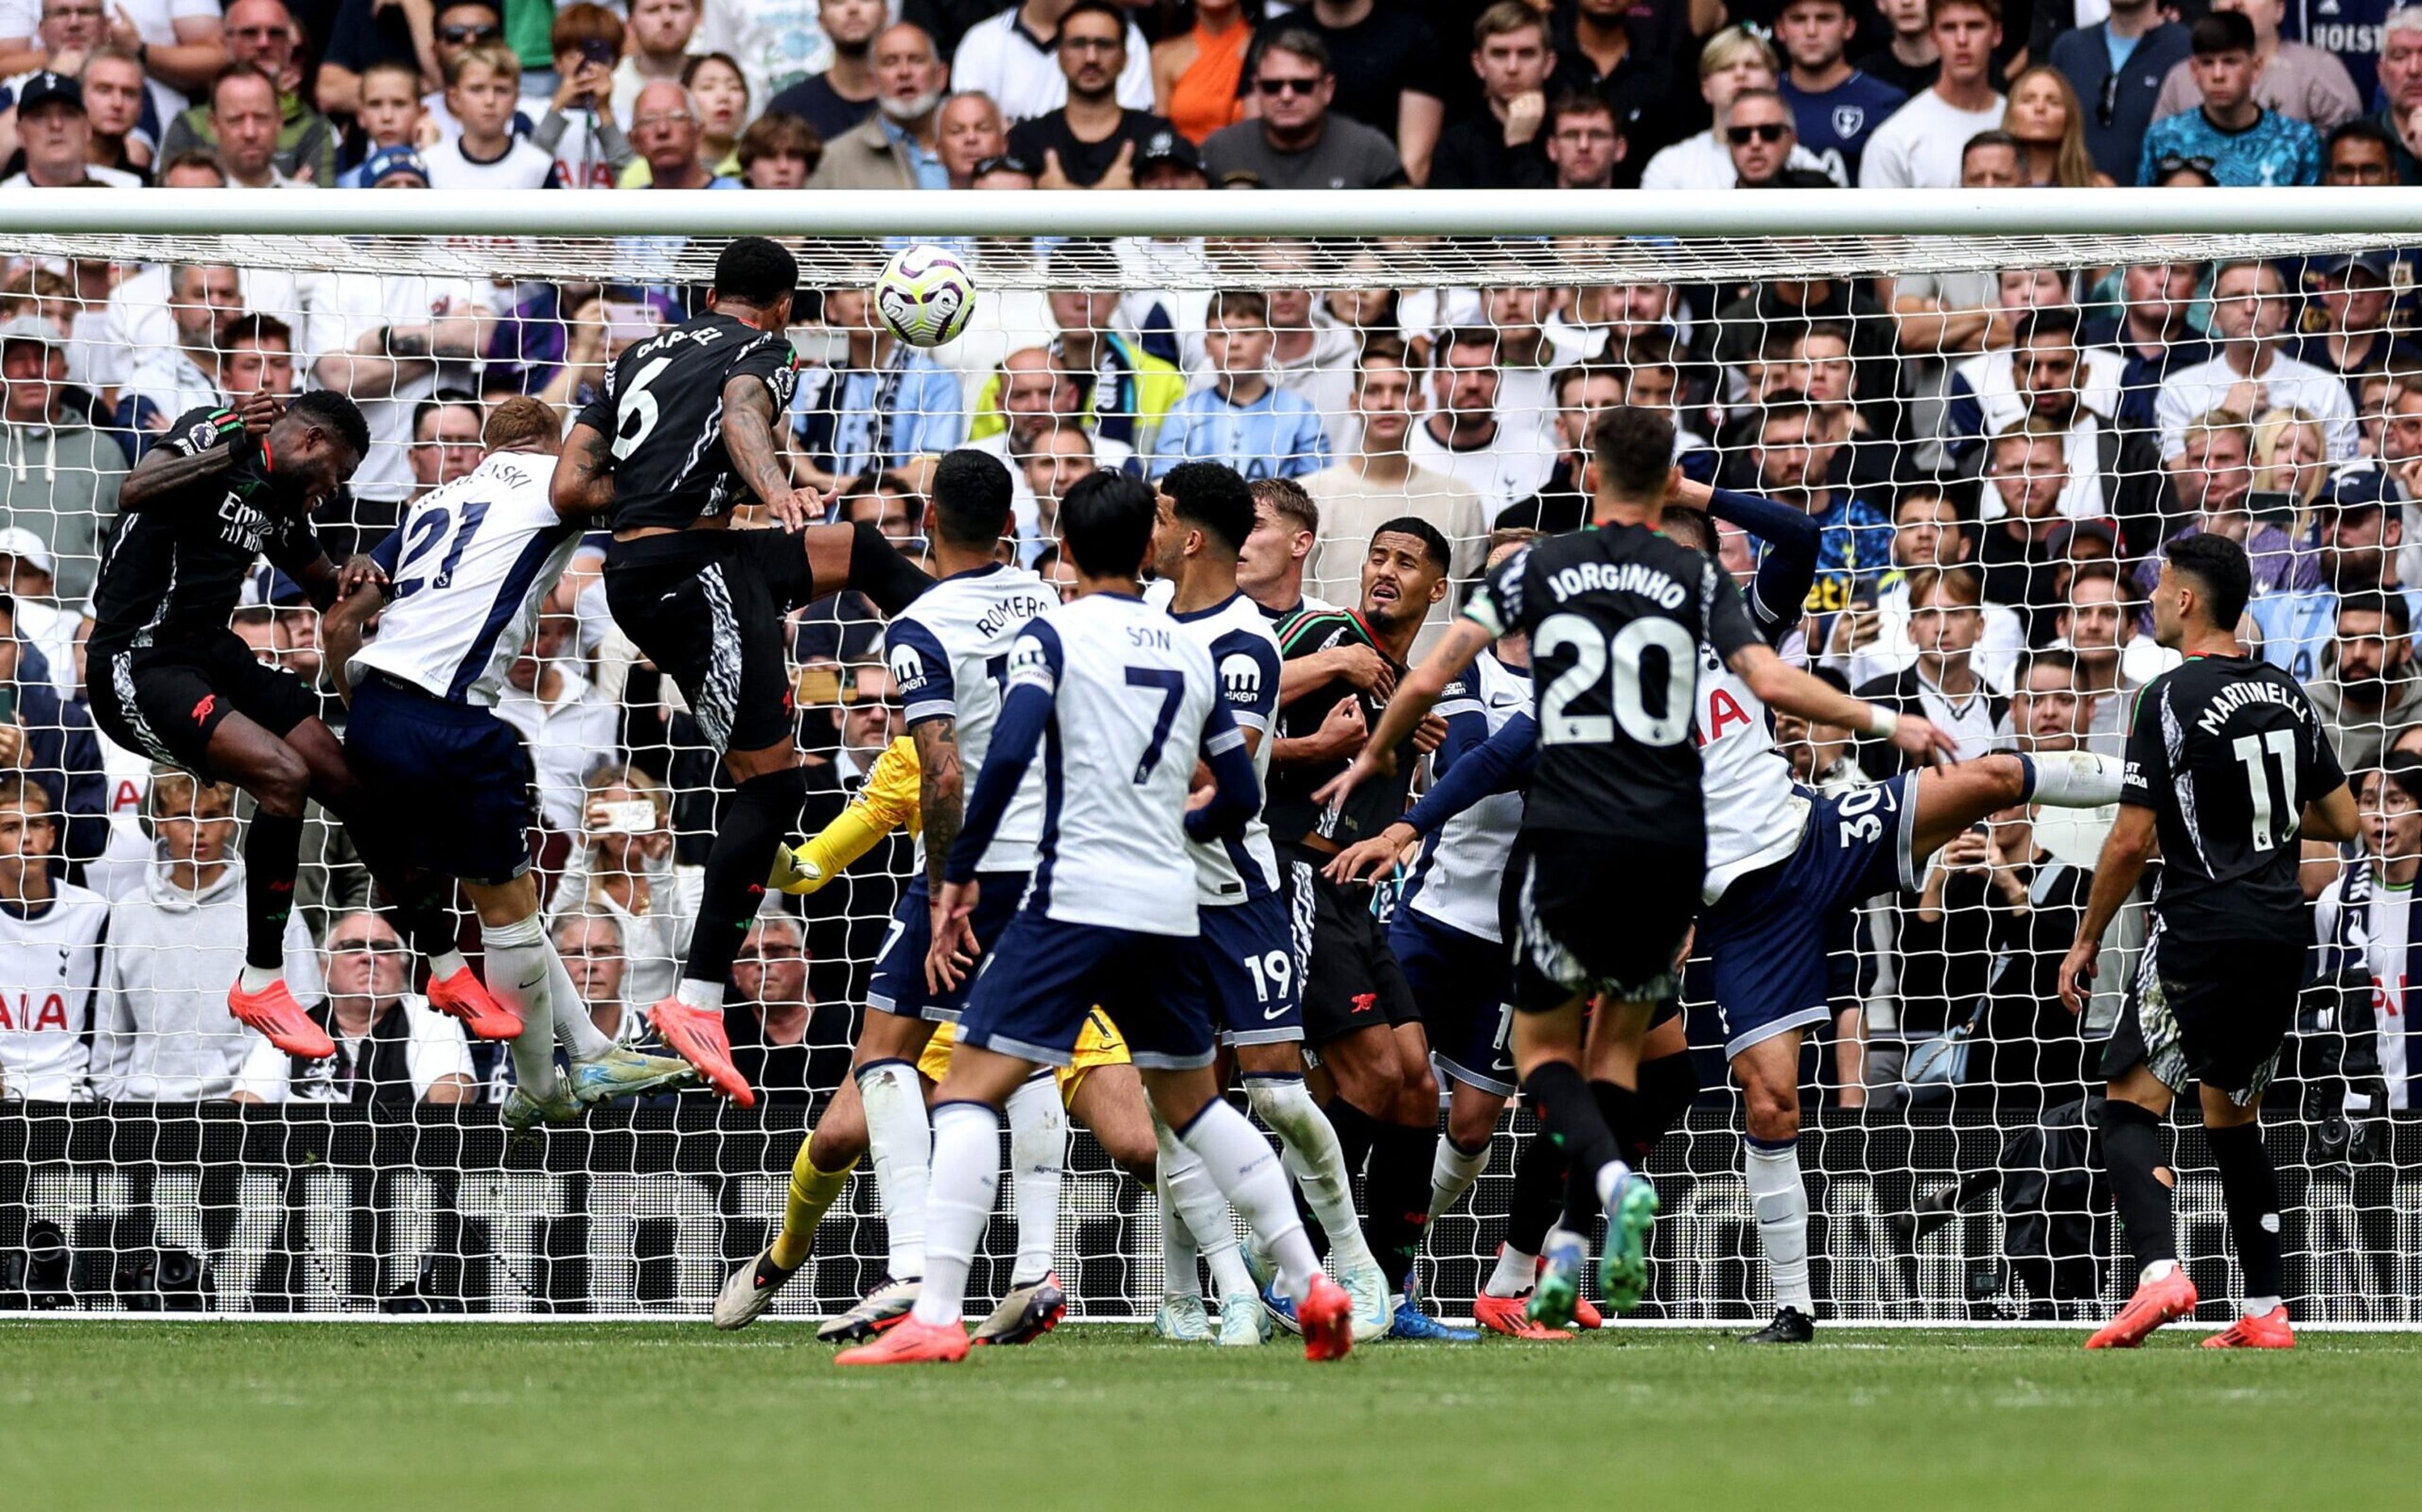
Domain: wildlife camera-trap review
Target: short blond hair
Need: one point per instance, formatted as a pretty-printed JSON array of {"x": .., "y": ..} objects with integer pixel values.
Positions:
[
  {"x": 495, "y": 56},
  {"x": 1730, "y": 45}
]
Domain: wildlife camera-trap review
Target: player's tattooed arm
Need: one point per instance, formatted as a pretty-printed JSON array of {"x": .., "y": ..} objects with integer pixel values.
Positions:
[
  {"x": 749, "y": 418},
  {"x": 942, "y": 794},
  {"x": 584, "y": 479},
  {"x": 160, "y": 474}
]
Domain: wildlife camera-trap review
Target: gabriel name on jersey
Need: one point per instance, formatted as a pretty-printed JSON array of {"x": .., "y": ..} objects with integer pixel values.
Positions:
[{"x": 663, "y": 406}]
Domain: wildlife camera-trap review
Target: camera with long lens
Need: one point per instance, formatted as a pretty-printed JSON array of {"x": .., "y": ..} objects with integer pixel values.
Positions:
[{"x": 35, "y": 1277}]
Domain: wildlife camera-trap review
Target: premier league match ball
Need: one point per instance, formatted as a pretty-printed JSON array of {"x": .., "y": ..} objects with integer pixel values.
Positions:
[{"x": 924, "y": 295}]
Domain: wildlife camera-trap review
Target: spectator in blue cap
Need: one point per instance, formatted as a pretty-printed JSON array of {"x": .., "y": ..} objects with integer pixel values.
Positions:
[{"x": 395, "y": 167}]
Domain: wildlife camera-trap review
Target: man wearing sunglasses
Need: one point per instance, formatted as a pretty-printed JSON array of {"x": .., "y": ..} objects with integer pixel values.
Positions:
[
  {"x": 1759, "y": 131},
  {"x": 392, "y": 1047},
  {"x": 2117, "y": 66},
  {"x": 1297, "y": 144}
]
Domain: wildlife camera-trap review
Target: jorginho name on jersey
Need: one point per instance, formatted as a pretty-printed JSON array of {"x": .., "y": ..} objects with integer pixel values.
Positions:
[
  {"x": 950, "y": 653},
  {"x": 1246, "y": 657},
  {"x": 471, "y": 565},
  {"x": 1615, "y": 617},
  {"x": 663, "y": 406},
  {"x": 1462, "y": 870},
  {"x": 1127, "y": 684},
  {"x": 2226, "y": 752}
]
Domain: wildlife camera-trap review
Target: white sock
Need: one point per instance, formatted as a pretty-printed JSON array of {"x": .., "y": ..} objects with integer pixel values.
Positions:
[
  {"x": 966, "y": 1180},
  {"x": 707, "y": 996},
  {"x": 1038, "y": 1149},
  {"x": 447, "y": 962},
  {"x": 901, "y": 1140},
  {"x": 257, "y": 978},
  {"x": 1247, "y": 1171},
  {"x": 1610, "y": 1175},
  {"x": 574, "y": 1030},
  {"x": 2261, "y": 1306},
  {"x": 2075, "y": 779},
  {"x": 1515, "y": 1276},
  {"x": 1194, "y": 1216},
  {"x": 517, "y": 976},
  {"x": 1780, "y": 1198},
  {"x": 2154, "y": 1272},
  {"x": 1452, "y": 1174},
  {"x": 1317, "y": 1162}
]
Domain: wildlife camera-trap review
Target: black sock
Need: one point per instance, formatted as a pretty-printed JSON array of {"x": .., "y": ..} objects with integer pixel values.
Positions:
[
  {"x": 2131, "y": 1150},
  {"x": 760, "y": 817},
  {"x": 1562, "y": 1098},
  {"x": 1356, "y": 1132},
  {"x": 1398, "y": 1197},
  {"x": 1668, "y": 1085},
  {"x": 1538, "y": 1195},
  {"x": 1626, "y": 1119},
  {"x": 879, "y": 570},
  {"x": 2251, "y": 1190},
  {"x": 272, "y": 855}
]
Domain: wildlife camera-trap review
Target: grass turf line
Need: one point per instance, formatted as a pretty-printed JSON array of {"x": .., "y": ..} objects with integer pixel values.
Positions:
[{"x": 342, "y": 1418}]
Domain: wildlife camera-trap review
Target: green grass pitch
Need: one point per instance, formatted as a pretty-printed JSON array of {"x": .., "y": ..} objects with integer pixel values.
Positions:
[{"x": 345, "y": 1417}]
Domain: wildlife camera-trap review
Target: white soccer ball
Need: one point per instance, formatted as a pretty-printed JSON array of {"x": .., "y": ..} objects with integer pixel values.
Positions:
[{"x": 924, "y": 294}]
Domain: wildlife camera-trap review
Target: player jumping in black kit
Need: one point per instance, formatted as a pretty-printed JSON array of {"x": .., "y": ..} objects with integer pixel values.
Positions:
[
  {"x": 2228, "y": 768},
  {"x": 688, "y": 430},
  {"x": 171, "y": 681},
  {"x": 1615, "y": 827}
]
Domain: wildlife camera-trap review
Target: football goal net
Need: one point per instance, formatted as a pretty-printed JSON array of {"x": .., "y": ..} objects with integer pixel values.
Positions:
[{"x": 1985, "y": 414}]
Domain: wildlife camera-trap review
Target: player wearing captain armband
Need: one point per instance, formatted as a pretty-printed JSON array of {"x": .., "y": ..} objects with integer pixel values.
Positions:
[
  {"x": 468, "y": 571},
  {"x": 1120, "y": 706},
  {"x": 1100, "y": 1086}
]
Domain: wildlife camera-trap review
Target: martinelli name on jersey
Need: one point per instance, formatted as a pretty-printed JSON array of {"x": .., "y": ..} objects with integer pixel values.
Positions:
[{"x": 2236, "y": 696}]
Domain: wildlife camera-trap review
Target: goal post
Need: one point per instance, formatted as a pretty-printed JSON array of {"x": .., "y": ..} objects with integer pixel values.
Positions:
[{"x": 1993, "y": 406}]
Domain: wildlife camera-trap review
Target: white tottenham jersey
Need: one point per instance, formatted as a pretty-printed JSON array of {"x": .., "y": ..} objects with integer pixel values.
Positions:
[
  {"x": 1464, "y": 868},
  {"x": 49, "y": 962},
  {"x": 950, "y": 654},
  {"x": 1133, "y": 694},
  {"x": 469, "y": 566},
  {"x": 1246, "y": 655},
  {"x": 1755, "y": 812}
]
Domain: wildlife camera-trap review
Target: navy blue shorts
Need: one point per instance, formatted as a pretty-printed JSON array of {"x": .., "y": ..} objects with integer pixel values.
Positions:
[
  {"x": 1248, "y": 960},
  {"x": 455, "y": 778},
  {"x": 1768, "y": 941},
  {"x": 899, "y": 982},
  {"x": 1462, "y": 984},
  {"x": 1032, "y": 994}
]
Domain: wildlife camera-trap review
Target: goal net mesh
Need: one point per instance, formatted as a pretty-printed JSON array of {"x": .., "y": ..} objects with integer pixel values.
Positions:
[{"x": 1994, "y": 436}]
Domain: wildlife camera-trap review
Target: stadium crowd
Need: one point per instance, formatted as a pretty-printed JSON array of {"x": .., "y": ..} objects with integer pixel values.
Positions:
[{"x": 1994, "y": 457}]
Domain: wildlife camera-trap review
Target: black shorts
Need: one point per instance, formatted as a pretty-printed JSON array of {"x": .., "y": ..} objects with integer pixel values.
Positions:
[
  {"x": 453, "y": 780},
  {"x": 1601, "y": 917},
  {"x": 1350, "y": 977},
  {"x": 707, "y": 607},
  {"x": 164, "y": 701},
  {"x": 2214, "y": 1012}
]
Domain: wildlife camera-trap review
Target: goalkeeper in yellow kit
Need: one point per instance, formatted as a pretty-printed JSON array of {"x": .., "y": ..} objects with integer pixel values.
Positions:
[{"x": 1100, "y": 1087}]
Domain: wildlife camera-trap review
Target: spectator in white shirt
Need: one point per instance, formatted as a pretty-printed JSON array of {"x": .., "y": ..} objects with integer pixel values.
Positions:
[
  {"x": 1054, "y": 461},
  {"x": 1734, "y": 60},
  {"x": 561, "y": 719},
  {"x": 622, "y": 862},
  {"x": 162, "y": 1032},
  {"x": 657, "y": 47},
  {"x": 483, "y": 86},
  {"x": 1464, "y": 437},
  {"x": 392, "y": 1047},
  {"x": 169, "y": 381},
  {"x": 2252, "y": 372},
  {"x": 1377, "y": 483},
  {"x": 183, "y": 42},
  {"x": 1920, "y": 145},
  {"x": 1012, "y": 57},
  {"x": 590, "y": 944}
]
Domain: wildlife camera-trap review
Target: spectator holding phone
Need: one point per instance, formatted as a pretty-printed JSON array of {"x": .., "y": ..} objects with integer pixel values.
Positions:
[
  {"x": 622, "y": 863},
  {"x": 590, "y": 150}
]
